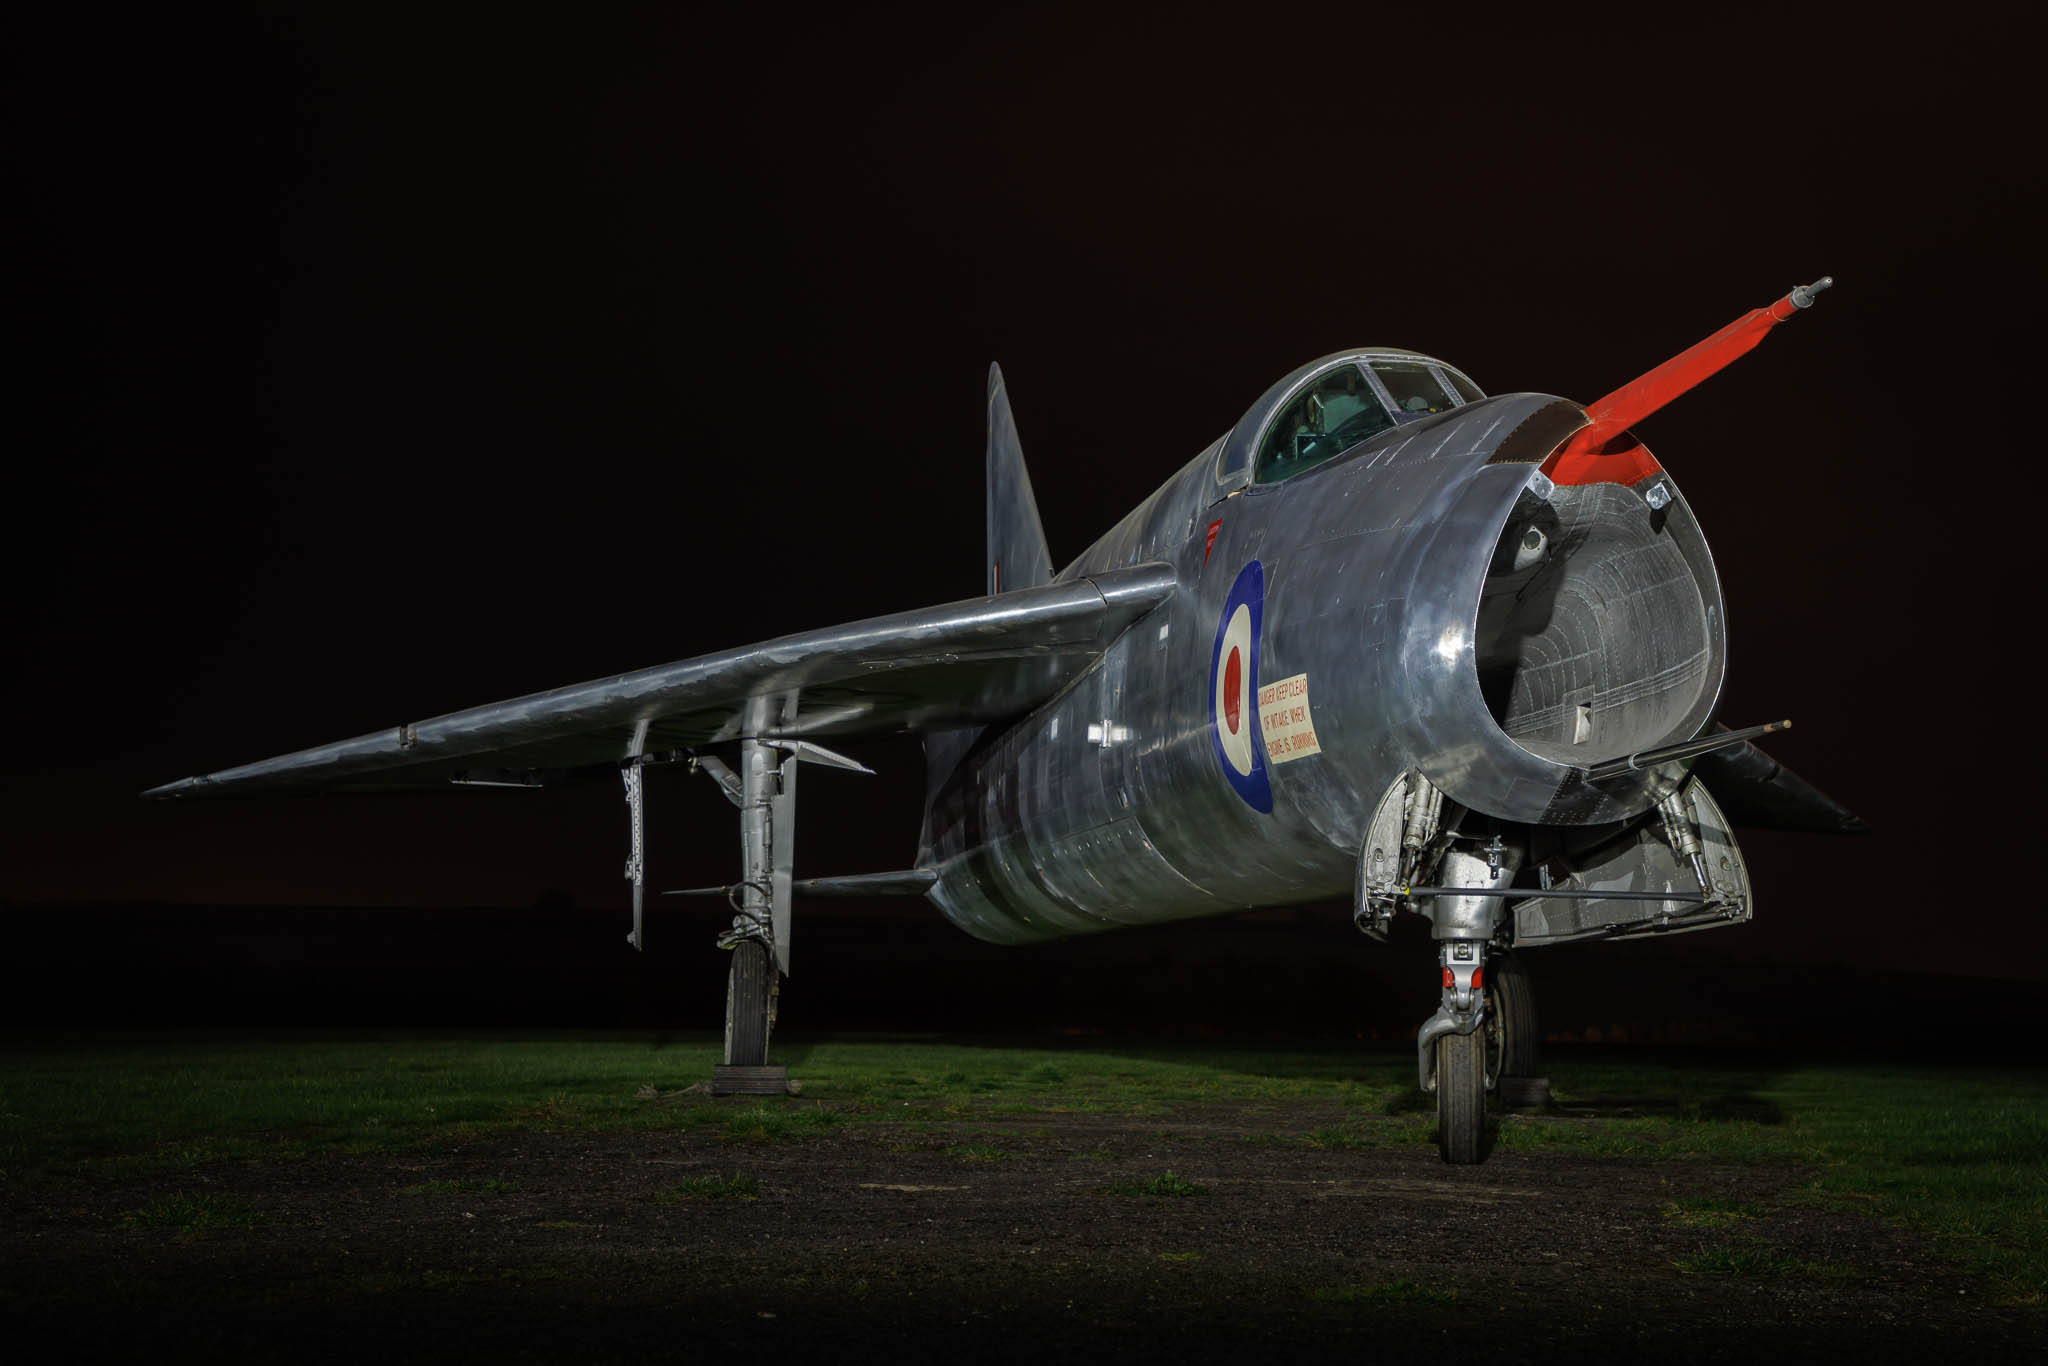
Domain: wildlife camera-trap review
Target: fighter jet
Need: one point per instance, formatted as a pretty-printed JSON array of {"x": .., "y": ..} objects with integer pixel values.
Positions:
[{"x": 1388, "y": 638}]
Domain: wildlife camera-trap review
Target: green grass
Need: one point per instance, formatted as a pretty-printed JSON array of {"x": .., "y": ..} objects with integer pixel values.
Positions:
[
  {"x": 133, "y": 1106},
  {"x": 137, "y": 1107},
  {"x": 1962, "y": 1156},
  {"x": 738, "y": 1186},
  {"x": 1710, "y": 1211},
  {"x": 778, "y": 1122},
  {"x": 193, "y": 1212},
  {"x": 1166, "y": 1184},
  {"x": 1369, "y": 1134},
  {"x": 1959, "y": 1154}
]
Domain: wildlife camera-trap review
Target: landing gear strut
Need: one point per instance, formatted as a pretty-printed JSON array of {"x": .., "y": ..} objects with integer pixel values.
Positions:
[
  {"x": 1498, "y": 1053},
  {"x": 1453, "y": 1053},
  {"x": 1484, "y": 1031},
  {"x": 763, "y": 787},
  {"x": 759, "y": 937}
]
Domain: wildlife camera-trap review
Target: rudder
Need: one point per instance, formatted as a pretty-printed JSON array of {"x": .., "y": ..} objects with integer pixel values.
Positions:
[
  {"x": 1017, "y": 554},
  {"x": 1017, "y": 558}
]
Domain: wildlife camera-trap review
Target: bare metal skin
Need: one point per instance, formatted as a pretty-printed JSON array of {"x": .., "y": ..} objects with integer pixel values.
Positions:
[
  {"x": 1388, "y": 638},
  {"x": 1377, "y": 565}
]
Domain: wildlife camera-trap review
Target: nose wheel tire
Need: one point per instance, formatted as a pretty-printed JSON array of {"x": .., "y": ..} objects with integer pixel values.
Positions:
[{"x": 1461, "y": 1098}]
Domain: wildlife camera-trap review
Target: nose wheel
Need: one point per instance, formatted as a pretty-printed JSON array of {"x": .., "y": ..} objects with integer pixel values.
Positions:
[
  {"x": 1461, "y": 1098},
  {"x": 1467, "y": 1060}
]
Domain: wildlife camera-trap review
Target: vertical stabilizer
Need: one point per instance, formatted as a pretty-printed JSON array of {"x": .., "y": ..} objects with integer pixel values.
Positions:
[
  {"x": 1017, "y": 553},
  {"x": 1017, "y": 558}
]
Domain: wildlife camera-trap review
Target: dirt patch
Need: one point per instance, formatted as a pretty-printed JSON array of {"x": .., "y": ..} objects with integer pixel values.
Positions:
[{"x": 999, "y": 1238}]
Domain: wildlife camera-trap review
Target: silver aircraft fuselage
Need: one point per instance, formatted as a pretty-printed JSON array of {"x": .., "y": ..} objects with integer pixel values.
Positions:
[
  {"x": 1428, "y": 601},
  {"x": 1456, "y": 655}
]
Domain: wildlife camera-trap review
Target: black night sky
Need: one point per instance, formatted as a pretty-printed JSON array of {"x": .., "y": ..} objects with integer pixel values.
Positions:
[{"x": 364, "y": 368}]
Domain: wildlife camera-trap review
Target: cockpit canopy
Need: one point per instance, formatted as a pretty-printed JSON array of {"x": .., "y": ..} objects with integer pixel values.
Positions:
[{"x": 1346, "y": 403}]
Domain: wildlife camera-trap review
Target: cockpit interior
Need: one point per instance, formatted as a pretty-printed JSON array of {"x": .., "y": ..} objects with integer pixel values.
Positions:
[{"x": 1351, "y": 404}]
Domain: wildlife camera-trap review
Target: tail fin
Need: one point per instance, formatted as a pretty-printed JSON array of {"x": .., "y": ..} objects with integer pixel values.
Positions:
[
  {"x": 1017, "y": 558},
  {"x": 1017, "y": 553}
]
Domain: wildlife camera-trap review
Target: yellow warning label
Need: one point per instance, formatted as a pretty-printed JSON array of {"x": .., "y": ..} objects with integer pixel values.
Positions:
[{"x": 1289, "y": 731}]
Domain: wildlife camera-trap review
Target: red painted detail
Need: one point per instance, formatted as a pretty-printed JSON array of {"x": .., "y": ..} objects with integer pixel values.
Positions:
[
  {"x": 1605, "y": 435},
  {"x": 1210, "y": 544},
  {"x": 1450, "y": 980},
  {"x": 1629, "y": 462},
  {"x": 1477, "y": 984},
  {"x": 1233, "y": 681}
]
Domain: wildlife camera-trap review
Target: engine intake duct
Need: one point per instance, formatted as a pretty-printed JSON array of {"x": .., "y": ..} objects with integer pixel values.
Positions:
[{"x": 1599, "y": 633}]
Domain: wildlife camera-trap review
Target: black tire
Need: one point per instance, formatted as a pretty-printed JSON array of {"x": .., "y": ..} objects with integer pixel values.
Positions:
[
  {"x": 749, "y": 1005},
  {"x": 1461, "y": 1098},
  {"x": 1514, "y": 1035}
]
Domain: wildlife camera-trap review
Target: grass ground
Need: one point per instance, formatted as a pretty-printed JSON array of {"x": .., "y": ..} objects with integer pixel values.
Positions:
[{"x": 1959, "y": 1155}]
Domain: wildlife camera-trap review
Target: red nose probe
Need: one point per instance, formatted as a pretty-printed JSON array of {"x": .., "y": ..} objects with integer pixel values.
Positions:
[{"x": 1586, "y": 459}]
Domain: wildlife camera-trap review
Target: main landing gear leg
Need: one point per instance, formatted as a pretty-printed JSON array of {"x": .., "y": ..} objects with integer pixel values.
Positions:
[
  {"x": 759, "y": 937},
  {"x": 764, "y": 790}
]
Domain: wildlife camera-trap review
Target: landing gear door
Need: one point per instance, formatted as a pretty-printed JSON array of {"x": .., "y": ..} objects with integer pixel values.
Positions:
[
  {"x": 1644, "y": 861},
  {"x": 1378, "y": 889}
]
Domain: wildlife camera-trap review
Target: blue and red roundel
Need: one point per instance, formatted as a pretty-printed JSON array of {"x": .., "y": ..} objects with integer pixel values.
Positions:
[{"x": 1234, "y": 690}]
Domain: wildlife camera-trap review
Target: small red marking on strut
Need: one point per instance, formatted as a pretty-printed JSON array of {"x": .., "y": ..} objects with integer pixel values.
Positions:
[
  {"x": 998, "y": 568},
  {"x": 1478, "y": 973},
  {"x": 1449, "y": 980},
  {"x": 1233, "y": 679},
  {"x": 1210, "y": 544}
]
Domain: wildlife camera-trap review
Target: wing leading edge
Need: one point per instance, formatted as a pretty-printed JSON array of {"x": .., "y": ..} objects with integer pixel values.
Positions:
[{"x": 960, "y": 664}]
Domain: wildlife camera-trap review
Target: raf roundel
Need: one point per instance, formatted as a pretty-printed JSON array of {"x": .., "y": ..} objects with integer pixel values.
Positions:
[{"x": 1233, "y": 686}]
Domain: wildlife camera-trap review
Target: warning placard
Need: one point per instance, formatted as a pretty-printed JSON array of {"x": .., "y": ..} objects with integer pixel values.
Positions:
[{"x": 1289, "y": 731}]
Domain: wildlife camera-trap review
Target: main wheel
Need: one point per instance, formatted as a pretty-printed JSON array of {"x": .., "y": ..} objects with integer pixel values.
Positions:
[
  {"x": 749, "y": 1005},
  {"x": 1461, "y": 1097},
  {"x": 1514, "y": 1037}
]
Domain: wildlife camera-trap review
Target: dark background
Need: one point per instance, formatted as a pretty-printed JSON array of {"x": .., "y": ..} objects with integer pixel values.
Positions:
[{"x": 363, "y": 369}]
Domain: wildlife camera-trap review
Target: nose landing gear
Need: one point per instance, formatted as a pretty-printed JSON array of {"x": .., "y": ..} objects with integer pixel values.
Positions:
[
  {"x": 1452, "y": 1054},
  {"x": 1484, "y": 1039}
]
